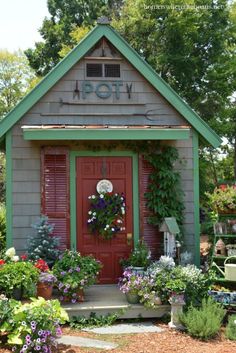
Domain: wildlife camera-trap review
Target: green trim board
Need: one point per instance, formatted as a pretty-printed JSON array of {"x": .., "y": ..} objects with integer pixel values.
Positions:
[
  {"x": 73, "y": 155},
  {"x": 9, "y": 221},
  {"x": 196, "y": 197},
  {"x": 106, "y": 134},
  {"x": 145, "y": 70}
]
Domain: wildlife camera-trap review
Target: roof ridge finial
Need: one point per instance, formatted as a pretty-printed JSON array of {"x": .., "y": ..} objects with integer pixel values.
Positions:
[{"x": 103, "y": 20}]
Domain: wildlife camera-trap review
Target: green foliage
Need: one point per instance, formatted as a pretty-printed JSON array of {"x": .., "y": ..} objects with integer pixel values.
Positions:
[
  {"x": 33, "y": 325},
  {"x": 2, "y": 227},
  {"x": 7, "y": 308},
  {"x": 15, "y": 79},
  {"x": 44, "y": 245},
  {"x": 204, "y": 322},
  {"x": 140, "y": 256},
  {"x": 222, "y": 199},
  {"x": 65, "y": 16},
  {"x": 75, "y": 272},
  {"x": 18, "y": 275},
  {"x": 164, "y": 196},
  {"x": 94, "y": 320},
  {"x": 230, "y": 331}
]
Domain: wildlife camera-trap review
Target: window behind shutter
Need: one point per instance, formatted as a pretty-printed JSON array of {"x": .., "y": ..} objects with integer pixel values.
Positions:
[
  {"x": 152, "y": 237},
  {"x": 55, "y": 191}
]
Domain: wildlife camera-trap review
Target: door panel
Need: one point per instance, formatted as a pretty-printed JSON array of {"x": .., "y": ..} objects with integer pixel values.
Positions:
[{"x": 89, "y": 171}]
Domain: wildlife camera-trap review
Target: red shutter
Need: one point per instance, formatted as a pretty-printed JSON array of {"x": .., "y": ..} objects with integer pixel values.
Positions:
[
  {"x": 55, "y": 191},
  {"x": 152, "y": 237}
]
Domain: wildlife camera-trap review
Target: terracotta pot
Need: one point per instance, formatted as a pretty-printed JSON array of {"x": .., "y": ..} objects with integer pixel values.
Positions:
[{"x": 44, "y": 290}]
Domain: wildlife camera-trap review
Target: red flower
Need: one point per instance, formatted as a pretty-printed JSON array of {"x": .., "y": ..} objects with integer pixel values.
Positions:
[
  {"x": 42, "y": 265},
  {"x": 23, "y": 257},
  {"x": 2, "y": 262}
]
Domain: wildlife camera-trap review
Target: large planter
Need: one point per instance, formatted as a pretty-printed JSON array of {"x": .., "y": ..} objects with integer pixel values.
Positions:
[
  {"x": 44, "y": 290},
  {"x": 138, "y": 270},
  {"x": 132, "y": 298}
]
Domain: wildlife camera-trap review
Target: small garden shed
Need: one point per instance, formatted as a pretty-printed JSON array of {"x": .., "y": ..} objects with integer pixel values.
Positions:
[{"x": 75, "y": 128}]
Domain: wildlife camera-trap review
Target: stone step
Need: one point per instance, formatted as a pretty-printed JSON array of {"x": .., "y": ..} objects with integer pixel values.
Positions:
[{"x": 107, "y": 299}]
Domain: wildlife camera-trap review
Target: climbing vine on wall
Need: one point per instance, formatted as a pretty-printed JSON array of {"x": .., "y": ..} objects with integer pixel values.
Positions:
[{"x": 164, "y": 196}]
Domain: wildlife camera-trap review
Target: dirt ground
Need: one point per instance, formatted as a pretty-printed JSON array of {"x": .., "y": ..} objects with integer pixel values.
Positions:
[{"x": 168, "y": 341}]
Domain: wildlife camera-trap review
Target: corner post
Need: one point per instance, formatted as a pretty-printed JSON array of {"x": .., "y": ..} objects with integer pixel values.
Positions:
[
  {"x": 9, "y": 214},
  {"x": 196, "y": 198}
]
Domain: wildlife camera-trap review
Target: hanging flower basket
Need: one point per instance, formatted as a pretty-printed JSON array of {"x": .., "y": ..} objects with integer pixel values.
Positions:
[{"x": 106, "y": 214}]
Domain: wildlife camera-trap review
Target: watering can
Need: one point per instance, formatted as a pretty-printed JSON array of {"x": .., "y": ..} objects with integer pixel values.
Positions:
[{"x": 230, "y": 269}]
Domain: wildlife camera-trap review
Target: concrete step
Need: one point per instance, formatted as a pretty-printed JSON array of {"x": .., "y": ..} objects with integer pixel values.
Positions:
[{"x": 107, "y": 299}]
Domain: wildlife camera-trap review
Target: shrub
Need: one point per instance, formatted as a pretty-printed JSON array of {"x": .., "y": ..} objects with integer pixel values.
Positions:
[
  {"x": 204, "y": 322},
  {"x": 34, "y": 326},
  {"x": 230, "y": 331},
  {"x": 18, "y": 275},
  {"x": 44, "y": 245}
]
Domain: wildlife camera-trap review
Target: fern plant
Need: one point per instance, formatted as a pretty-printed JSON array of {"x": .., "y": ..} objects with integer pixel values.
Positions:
[{"x": 204, "y": 322}]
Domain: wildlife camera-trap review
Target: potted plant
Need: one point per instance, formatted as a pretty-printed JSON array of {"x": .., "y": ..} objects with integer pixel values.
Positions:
[
  {"x": 75, "y": 272},
  {"x": 139, "y": 259},
  {"x": 45, "y": 284},
  {"x": 16, "y": 278},
  {"x": 130, "y": 283},
  {"x": 223, "y": 200}
]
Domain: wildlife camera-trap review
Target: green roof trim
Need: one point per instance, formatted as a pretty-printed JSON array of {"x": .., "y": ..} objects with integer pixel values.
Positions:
[
  {"x": 133, "y": 57},
  {"x": 106, "y": 134}
]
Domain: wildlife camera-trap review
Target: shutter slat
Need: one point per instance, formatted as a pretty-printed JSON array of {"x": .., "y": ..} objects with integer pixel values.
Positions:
[
  {"x": 55, "y": 191},
  {"x": 151, "y": 235}
]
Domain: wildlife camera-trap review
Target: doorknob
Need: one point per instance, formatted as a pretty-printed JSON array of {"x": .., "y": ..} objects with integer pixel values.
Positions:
[{"x": 129, "y": 238}]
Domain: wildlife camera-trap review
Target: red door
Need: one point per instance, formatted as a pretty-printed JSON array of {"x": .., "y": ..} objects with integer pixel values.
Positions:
[{"x": 89, "y": 171}]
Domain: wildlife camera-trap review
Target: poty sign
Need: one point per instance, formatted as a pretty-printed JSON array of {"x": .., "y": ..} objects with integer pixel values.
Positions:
[{"x": 102, "y": 90}]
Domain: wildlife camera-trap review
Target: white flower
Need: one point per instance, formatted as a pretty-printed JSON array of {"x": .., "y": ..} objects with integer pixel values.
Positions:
[
  {"x": 89, "y": 212},
  {"x": 15, "y": 258},
  {"x": 11, "y": 252},
  {"x": 234, "y": 322},
  {"x": 122, "y": 210},
  {"x": 89, "y": 220},
  {"x": 101, "y": 196},
  {"x": 113, "y": 229},
  {"x": 93, "y": 197},
  {"x": 122, "y": 198},
  {"x": 166, "y": 262},
  {"x": 119, "y": 221},
  {"x": 94, "y": 213},
  {"x": 89, "y": 197},
  {"x": 107, "y": 226}
]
